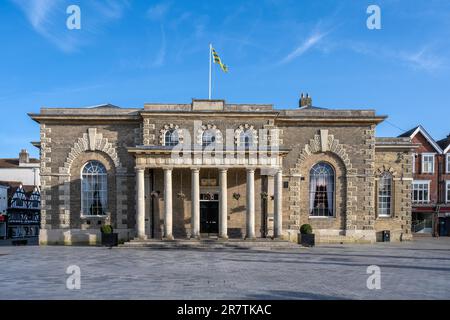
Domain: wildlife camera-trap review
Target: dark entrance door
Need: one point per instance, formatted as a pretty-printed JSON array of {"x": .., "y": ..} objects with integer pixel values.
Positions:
[
  {"x": 209, "y": 217},
  {"x": 444, "y": 226}
]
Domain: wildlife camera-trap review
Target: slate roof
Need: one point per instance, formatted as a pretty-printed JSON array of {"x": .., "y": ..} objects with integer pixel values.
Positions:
[
  {"x": 444, "y": 143},
  {"x": 14, "y": 162},
  {"x": 408, "y": 133},
  {"x": 424, "y": 132}
]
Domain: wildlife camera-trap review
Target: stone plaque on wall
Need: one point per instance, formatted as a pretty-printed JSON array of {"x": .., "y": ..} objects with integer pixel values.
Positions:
[{"x": 208, "y": 182}]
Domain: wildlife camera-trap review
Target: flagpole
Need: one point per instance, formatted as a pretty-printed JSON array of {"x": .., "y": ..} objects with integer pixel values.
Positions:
[{"x": 210, "y": 54}]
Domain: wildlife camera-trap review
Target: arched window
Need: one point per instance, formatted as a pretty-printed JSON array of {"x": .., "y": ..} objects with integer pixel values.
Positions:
[
  {"x": 246, "y": 139},
  {"x": 171, "y": 138},
  {"x": 94, "y": 189},
  {"x": 384, "y": 195},
  {"x": 246, "y": 136},
  {"x": 208, "y": 138},
  {"x": 321, "y": 190}
]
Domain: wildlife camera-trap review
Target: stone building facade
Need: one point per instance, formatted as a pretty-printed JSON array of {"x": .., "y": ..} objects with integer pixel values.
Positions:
[{"x": 212, "y": 169}]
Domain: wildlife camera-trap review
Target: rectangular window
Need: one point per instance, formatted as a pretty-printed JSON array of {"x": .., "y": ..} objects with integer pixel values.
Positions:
[
  {"x": 447, "y": 164},
  {"x": 447, "y": 191},
  {"x": 427, "y": 163},
  {"x": 385, "y": 195},
  {"x": 421, "y": 192}
]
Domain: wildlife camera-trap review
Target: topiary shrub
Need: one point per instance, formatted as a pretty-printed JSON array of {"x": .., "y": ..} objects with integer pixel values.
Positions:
[
  {"x": 306, "y": 229},
  {"x": 106, "y": 228}
]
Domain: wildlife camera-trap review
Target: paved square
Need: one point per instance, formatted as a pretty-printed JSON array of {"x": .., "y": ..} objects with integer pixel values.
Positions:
[{"x": 415, "y": 270}]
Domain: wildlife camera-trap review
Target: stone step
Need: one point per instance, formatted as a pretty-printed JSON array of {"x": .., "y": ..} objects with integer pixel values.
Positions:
[
  {"x": 338, "y": 239},
  {"x": 422, "y": 235}
]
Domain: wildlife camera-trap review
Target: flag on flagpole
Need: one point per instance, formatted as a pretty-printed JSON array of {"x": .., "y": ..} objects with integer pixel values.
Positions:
[
  {"x": 213, "y": 54},
  {"x": 217, "y": 60}
]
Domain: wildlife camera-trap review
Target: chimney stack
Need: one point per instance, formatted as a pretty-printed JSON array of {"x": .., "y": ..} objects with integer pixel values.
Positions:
[
  {"x": 24, "y": 157},
  {"x": 305, "y": 101}
]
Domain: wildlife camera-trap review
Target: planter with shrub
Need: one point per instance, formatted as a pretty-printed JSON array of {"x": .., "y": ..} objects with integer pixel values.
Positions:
[
  {"x": 306, "y": 238},
  {"x": 109, "y": 238}
]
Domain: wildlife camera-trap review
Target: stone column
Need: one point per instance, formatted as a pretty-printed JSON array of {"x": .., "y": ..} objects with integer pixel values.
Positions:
[
  {"x": 168, "y": 204},
  {"x": 250, "y": 204},
  {"x": 140, "y": 212},
  {"x": 223, "y": 207},
  {"x": 195, "y": 214},
  {"x": 278, "y": 205}
]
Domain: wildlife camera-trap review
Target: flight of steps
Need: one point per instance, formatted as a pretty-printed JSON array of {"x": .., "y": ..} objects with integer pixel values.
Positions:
[{"x": 258, "y": 244}]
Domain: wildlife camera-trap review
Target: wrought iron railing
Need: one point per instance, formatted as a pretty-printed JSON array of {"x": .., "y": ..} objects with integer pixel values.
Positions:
[{"x": 418, "y": 226}]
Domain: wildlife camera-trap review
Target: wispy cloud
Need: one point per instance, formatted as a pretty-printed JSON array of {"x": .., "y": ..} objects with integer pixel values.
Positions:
[
  {"x": 38, "y": 11},
  {"x": 154, "y": 59},
  {"x": 306, "y": 45},
  {"x": 111, "y": 9},
  {"x": 160, "y": 58},
  {"x": 40, "y": 14},
  {"x": 47, "y": 19},
  {"x": 158, "y": 11},
  {"x": 422, "y": 59}
]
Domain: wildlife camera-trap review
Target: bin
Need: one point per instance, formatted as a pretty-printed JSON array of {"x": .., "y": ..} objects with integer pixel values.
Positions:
[{"x": 386, "y": 236}]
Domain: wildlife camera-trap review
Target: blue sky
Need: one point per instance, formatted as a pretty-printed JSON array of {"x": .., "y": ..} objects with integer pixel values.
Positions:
[{"x": 131, "y": 52}]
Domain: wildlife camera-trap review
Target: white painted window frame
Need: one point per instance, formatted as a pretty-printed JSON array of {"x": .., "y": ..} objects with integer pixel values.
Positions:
[
  {"x": 447, "y": 163},
  {"x": 389, "y": 178},
  {"x": 423, "y": 162},
  {"x": 334, "y": 215},
  {"x": 82, "y": 198},
  {"x": 412, "y": 190},
  {"x": 447, "y": 191}
]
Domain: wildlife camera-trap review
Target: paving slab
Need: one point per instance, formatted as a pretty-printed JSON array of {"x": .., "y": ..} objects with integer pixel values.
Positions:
[{"x": 415, "y": 270}]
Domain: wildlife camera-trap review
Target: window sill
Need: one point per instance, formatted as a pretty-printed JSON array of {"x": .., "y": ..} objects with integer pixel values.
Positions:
[
  {"x": 319, "y": 217},
  {"x": 93, "y": 216},
  {"x": 384, "y": 217}
]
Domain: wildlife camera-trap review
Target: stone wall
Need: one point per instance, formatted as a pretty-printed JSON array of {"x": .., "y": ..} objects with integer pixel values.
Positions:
[
  {"x": 64, "y": 151},
  {"x": 399, "y": 164},
  {"x": 154, "y": 125},
  {"x": 350, "y": 150}
]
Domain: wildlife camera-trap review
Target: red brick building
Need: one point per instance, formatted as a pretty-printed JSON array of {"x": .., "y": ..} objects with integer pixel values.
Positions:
[{"x": 431, "y": 184}]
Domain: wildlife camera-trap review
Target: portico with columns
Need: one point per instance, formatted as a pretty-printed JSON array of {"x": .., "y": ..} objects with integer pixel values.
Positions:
[{"x": 248, "y": 212}]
